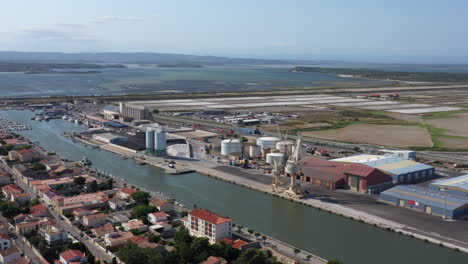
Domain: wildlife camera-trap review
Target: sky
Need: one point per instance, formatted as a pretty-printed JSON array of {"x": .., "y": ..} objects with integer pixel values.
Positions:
[{"x": 408, "y": 31}]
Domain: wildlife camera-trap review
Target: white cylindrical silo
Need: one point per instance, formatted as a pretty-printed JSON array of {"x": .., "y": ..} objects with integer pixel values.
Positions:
[
  {"x": 229, "y": 146},
  {"x": 149, "y": 141},
  {"x": 271, "y": 157},
  {"x": 267, "y": 142},
  {"x": 160, "y": 142},
  {"x": 255, "y": 151},
  {"x": 285, "y": 147}
]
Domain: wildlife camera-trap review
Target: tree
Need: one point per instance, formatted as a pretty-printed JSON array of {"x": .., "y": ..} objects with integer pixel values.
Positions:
[
  {"x": 140, "y": 197},
  {"x": 334, "y": 262},
  {"x": 308, "y": 257},
  {"x": 114, "y": 260},
  {"x": 131, "y": 254},
  {"x": 264, "y": 238},
  {"x": 154, "y": 238},
  {"x": 110, "y": 183},
  {"x": 142, "y": 211},
  {"x": 93, "y": 186},
  {"x": 297, "y": 251},
  {"x": 37, "y": 166},
  {"x": 254, "y": 256},
  {"x": 79, "y": 180},
  {"x": 34, "y": 201},
  {"x": 251, "y": 231},
  {"x": 256, "y": 235}
]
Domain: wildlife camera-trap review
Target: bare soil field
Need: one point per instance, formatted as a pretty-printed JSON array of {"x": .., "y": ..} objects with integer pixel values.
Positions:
[
  {"x": 456, "y": 126},
  {"x": 387, "y": 135},
  {"x": 406, "y": 117},
  {"x": 456, "y": 143}
]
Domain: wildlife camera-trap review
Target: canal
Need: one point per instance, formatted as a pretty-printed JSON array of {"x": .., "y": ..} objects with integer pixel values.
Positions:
[{"x": 324, "y": 234}]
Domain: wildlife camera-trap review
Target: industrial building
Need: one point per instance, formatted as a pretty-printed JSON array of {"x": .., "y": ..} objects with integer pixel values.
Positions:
[
  {"x": 456, "y": 186},
  {"x": 339, "y": 175},
  {"x": 109, "y": 138},
  {"x": 111, "y": 112},
  {"x": 405, "y": 154},
  {"x": 402, "y": 170},
  {"x": 156, "y": 141},
  {"x": 134, "y": 111},
  {"x": 427, "y": 200}
]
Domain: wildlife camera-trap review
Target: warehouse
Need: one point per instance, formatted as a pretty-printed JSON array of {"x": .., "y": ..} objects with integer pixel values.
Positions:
[
  {"x": 109, "y": 138},
  {"x": 427, "y": 200},
  {"x": 456, "y": 186},
  {"x": 338, "y": 175},
  {"x": 402, "y": 170}
]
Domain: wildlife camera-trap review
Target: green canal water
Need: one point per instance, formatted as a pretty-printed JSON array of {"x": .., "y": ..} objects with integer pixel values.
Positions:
[{"x": 327, "y": 235}]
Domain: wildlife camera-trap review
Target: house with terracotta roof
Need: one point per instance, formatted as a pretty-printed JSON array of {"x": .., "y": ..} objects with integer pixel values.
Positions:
[
  {"x": 163, "y": 205},
  {"x": 339, "y": 175},
  {"x": 72, "y": 256},
  {"x": 33, "y": 225},
  {"x": 20, "y": 198},
  {"x": 240, "y": 244},
  {"x": 81, "y": 212},
  {"x": 94, "y": 220},
  {"x": 103, "y": 230},
  {"x": 116, "y": 204},
  {"x": 5, "y": 241},
  {"x": 10, "y": 189},
  {"x": 203, "y": 223},
  {"x": 10, "y": 255},
  {"x": 214, "y": 260},
  {"x": 125, "y": 193},
  {"x": 117, "y": 238},
  {"x": 157, "y": 217},
  {"x": 39, "y": 210},
  {"x": 135, "y": 224}
]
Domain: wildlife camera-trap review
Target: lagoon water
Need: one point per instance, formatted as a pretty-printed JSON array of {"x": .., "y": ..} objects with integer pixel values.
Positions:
[
  {"x": 327, "y": 235},
  {"x": 166, "y": 80}
]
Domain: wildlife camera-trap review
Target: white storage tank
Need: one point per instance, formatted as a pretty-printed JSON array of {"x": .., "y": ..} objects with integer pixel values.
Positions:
[
  {"x": 267, "y": 142},
  {"x": 229, "y": 146},
  {"x": 285, "y": 146},
  {"x": 255, "y": 151},
  {"x": 160, "y": 141},
  {"x": 149, "y": 141},
  {"x": 271, "y": 157}
]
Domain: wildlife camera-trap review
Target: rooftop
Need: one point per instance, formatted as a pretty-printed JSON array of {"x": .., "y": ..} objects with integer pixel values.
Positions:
[
  {"x": 209, "y": 216},
  {"x": 427, "y": 196},
  {"x": 458, "y": 183},
  {"x": 71, "y": 254}
]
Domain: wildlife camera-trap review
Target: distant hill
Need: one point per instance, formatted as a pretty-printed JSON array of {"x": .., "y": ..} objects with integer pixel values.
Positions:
[{"x": 133, "y": 58}]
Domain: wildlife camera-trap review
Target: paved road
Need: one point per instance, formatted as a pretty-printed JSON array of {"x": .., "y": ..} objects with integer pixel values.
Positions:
[{"x": 95, "y": 250}]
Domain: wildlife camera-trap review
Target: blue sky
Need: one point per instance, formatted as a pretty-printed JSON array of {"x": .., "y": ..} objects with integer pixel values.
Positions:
[{"x": 352, "y": 30}]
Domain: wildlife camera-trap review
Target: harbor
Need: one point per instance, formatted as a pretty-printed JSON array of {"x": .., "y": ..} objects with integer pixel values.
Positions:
[{"x": 307, "y": 228}]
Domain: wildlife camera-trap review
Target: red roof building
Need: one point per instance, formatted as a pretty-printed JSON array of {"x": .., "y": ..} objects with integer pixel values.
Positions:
[
  {"x": 209, "y": 216},
  {"x": 125, "y": 193},
  {"x": 72, "y": 255},
  {"x": 335, "y": 175}
]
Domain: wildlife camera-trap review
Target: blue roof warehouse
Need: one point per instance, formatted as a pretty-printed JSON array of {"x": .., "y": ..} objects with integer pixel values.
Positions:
[{"x": 427, "y": 200}]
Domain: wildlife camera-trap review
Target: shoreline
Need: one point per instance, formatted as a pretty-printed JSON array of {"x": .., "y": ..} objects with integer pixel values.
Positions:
[{"x": 343, "y": 211}]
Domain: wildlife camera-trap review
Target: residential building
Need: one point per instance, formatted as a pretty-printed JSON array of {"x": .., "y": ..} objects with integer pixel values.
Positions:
[
  {"x": 202, "y": 223},
  {"x": 5, "y": 178},
  {"x": 214, "y": 260},
  {"x": 10, "y": 189},
  {"x": 72, "y": 256},
  {"x": 163, "y": 205},
  {"x": 90, "y": 200},
  {"x": 39, "y": 210},
  {"x": 81, "y": 212},
  {"x": 157, "y": 217},
  {"x": 103, "y": 230},
  {"x": 33, "y": 225},
  {"x": 5, "y": 241},
  {"x": 10, "y": 255},
  {"x": 117, "y": 204},
  {"x": 135, "y": 224},
  {"x": 240, "y": 244},
  {"x": 54, "y": 235},
  {"x": 94, "y": 219},
  {"x": 117, "y": 238},
  {"x": 161, "y": 227},
  {"x": 20, "y": 198},
  {"x": 125, "y": 193}
]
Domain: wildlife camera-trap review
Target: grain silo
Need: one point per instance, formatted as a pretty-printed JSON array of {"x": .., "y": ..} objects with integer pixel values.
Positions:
[
  {"x": 271, "y": 157},
  {"x": 229, "y": 146},
  {"x": 285, "y": 146},
  {"x": 267, "y": 142},
  {"x": 160, "y": 141},
  {"x": 149, "y": 140}
]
